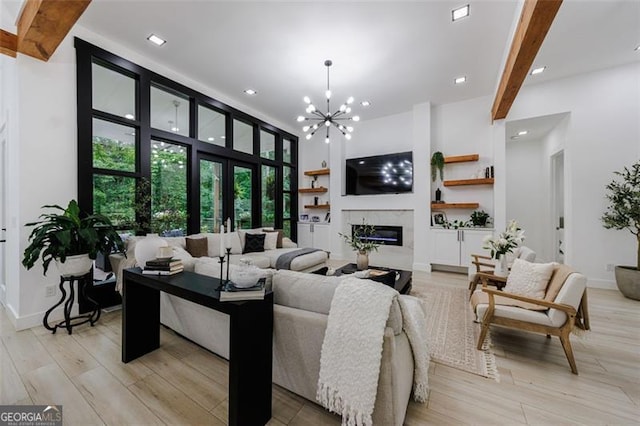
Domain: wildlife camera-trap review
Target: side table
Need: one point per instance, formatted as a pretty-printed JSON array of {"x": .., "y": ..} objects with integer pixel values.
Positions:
[{"x": 69, "y": 322}]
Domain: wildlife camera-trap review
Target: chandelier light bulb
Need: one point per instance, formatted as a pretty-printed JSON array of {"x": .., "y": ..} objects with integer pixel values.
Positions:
[
  {"x": 350, "y": 100},
  {"x": 309, "y": 136},
  {"x": 305, "y": 129},
  {"x": 326, "y": 140},
  {"x": 327, "y": 123},
  {"x": 348, "y": 136},
  {"x": 343, "y": 107},
  {"x": 328, "y": 94},
  {"x": 348, "y": 110},
  {"x": 349, "y": 129},
  {"x": 356, "y": 118},
  {"x": 312, "y": 107},
  {"x": 307, "y": 100},
  {"x": 301, "y": 118},
  {"x": 341, "y": 127},
  {"x": 315, "y": 126}
]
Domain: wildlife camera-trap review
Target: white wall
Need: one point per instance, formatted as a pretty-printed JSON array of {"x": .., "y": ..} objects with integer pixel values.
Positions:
[{"x": 602, "y": 136}]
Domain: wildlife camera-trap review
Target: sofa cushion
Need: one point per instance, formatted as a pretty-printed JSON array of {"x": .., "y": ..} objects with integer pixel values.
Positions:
[
  {"x": 280, "y": 235},
  {"x": 197, "y": 247},
  {"x": 242, "y": 235},
  {"x": 254, "y": 243},
  {"x": 176, "y": 241},
  {"x": 308, "y": 292},
  {"x": 270, "y": 240}
]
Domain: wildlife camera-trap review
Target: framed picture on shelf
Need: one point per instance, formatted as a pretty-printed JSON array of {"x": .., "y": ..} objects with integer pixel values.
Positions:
[
  {"x": 438, "y": 218},
  {"x": 327, "y": 217},
  {"x": 304, "y": 218}
]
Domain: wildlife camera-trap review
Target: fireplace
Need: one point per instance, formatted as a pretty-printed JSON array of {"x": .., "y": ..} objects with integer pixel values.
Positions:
[{"x": 387, "y": 235}]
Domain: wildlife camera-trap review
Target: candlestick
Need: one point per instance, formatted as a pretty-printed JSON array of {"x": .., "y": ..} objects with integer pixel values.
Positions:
[
  {"x": 228, "y": 261},
  {"x": 221, "y": 261},
  {"x": 222, "y": 240},
  {"x": 228, "y": 236}
]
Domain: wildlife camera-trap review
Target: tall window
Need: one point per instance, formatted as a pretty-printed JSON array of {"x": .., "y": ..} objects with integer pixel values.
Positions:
[{"x": 155, "y": 155}]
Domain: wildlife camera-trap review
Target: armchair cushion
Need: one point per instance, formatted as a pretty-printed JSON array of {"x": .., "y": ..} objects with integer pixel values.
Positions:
[
  {"x": 560, "y": 274},
  {"x": 529, "y": 279}
]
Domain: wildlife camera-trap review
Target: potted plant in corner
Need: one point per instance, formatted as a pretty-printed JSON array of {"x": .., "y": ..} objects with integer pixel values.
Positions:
[
  {"x": 70, "y": 238},
  {"x": 623, "y": 212},
  {"x": 360, "y": 241}
]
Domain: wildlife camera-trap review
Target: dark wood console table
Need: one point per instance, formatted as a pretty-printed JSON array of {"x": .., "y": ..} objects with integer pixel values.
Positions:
[{"x": 250, "y": 337}]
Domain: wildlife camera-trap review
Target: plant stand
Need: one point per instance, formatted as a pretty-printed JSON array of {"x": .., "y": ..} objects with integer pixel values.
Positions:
[{"x": 69, "y": 322}]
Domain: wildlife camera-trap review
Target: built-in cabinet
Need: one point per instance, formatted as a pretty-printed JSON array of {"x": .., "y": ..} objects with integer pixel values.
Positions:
[
  {"x": 453, "y": 247},
  {"x": 316, "y": 235},
  {"x": 462, "y": 182}
]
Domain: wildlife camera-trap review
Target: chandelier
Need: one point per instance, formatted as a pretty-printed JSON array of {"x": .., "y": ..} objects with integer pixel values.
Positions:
[{"x": 328, "y": 119}]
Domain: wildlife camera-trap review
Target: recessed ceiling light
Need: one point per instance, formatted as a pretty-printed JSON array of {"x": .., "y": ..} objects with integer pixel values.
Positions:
[
  {"x": 637, "y": 48},
  {"x": 365, "y": 103},
  {"x": 129, "y": 116},
  {"x": 156, "y": 40},
  {"x": 538, "y": 70},
  {"x": 522, "y": 132},
  {"x": 460, "y": 80},
  {"x": 250, "y": 92},
  {"x": 460, "y": 13}
]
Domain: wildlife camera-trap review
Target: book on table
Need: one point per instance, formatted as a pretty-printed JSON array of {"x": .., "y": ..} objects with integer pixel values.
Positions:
[
  {"x": 230, "y": 292},
  {"x": 146, "y": 271},
  {"x": 163, "y": 267}
]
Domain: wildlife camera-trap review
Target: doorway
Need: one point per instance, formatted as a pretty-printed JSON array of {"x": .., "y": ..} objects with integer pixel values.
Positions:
[{"x": 557, "y": 205}]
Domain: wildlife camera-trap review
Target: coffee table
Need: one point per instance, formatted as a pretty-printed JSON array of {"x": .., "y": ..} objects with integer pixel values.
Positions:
[{"x": 403, "y": 281}]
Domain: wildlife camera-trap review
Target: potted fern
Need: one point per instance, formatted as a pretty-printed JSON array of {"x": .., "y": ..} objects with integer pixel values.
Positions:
[
  {"x": 623, "y": 212},
  {"x": 70, "y": 238}
]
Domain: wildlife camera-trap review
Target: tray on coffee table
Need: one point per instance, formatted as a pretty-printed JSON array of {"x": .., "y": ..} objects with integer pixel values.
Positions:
[{"x": 403, "y": 280}]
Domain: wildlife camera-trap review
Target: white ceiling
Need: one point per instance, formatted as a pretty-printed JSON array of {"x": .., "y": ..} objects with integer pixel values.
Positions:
[
  {"x": 536, "y": 127},
  {"x": 392, "y": 53}
]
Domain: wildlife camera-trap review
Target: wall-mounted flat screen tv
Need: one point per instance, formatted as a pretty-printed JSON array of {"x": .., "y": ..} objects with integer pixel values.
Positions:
[{"x": 380, "y": 174}]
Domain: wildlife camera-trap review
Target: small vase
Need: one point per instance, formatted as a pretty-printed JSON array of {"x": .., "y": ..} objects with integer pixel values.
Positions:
[
  {"x": 501, "y": 269},
  {"x": 362, "y": 261}
]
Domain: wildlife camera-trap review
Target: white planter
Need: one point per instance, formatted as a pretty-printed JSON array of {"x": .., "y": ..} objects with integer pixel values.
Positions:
[{"x": 75, "y": 266}]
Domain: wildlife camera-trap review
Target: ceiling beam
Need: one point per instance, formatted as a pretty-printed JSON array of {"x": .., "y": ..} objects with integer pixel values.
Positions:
[
  {"x": 535, "y": 21},
  {"x": 8, "y": 43},
  {"x": 43, "y": 24}
]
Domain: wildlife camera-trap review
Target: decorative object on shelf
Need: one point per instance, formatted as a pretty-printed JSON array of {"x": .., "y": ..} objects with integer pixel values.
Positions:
[
  {"x": 623, "y": 212},
  {"x": 504, "y": 243},
  {"x": 304, "y": 218},
  {"x": 456, "y": 224},
  {"x": 491, "y": 172},
  {"x": 148, "y": 247},
  {"x": 314, "y": 181},
  {"x": 438, "y": 218},
  {"x": 60, "y": 236},
  {"x": 437, "y": 166},
  {"x": 315, "y": 201},
  {"x": 324, "y": 164},
  {"x": 328, "y": 119},
  {"x": 315, "y": 218},
  {"x": 438, "y": 196},
  {"x": 327, "y": 217},
  {"x": 360, "y": 241},
  {"x": 479, "y": 218}
]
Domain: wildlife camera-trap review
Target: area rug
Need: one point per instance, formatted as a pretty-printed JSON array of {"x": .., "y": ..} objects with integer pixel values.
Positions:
[{"x": 452, "y": 333}]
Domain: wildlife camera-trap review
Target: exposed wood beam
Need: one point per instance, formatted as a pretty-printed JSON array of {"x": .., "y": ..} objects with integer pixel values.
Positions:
[
  {"x": 8, "y": 43},
  {"x": 535, "y": 21},
  {"x": 43, "y": 24}
]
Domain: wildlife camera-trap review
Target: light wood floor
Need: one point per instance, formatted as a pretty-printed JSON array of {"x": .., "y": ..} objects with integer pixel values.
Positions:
[{"x": 183, "y": 384}]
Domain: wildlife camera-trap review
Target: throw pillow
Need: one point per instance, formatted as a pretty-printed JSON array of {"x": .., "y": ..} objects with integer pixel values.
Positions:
[
  {"x": 280, "y": 235},
  {"x": 254, "y": 243},
  {"x": 197, "y": 247},
  {"x": 321, "y": 271},
  {"x": 270, "y": 240},
  {"x": 529, "y": 279}
]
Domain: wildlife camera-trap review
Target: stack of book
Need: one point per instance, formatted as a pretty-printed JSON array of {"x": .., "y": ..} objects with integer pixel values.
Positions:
[
  {"x": 229, "y": 292},
  {"x": 163, "y": 267}
]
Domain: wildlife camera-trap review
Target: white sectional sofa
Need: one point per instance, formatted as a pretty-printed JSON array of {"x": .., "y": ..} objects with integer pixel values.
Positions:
[
  {"x": 266, "y": 259},
  {"x": 302, "y": 303}
]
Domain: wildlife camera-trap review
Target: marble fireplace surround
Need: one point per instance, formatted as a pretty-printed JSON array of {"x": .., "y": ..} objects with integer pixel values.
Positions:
[{"x": 400, "y": 257}]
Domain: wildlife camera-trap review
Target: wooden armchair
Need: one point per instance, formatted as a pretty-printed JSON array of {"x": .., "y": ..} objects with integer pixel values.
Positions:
[
  {"x": 485, "y": 264},
  {"x": 563, "y": 307}
]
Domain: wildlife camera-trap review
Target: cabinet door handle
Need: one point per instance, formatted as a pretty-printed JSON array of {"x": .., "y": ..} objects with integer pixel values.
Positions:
[{"x": 312, "y": 230}]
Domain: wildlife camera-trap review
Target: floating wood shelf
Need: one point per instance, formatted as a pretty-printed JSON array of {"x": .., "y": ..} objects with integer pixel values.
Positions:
[
  {"x": 318, "y": 172},
  {"x": 312, "y": 190},
  {"x": 455, "y": 205},
  {"x": 461, "y": 158},
  {"x": 461, "y": 182},
  {"x": 319, "y": 206}
]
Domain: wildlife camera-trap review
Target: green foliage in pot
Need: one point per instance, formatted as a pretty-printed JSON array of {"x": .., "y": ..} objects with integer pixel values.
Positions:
[
  {"x": 437, "y": 165},
  {"x": 69, "y": 233},
  {"x": 479, "y": 218},
  {"x": 359, "y": 241},
  {"x": 623, "y": 211}
]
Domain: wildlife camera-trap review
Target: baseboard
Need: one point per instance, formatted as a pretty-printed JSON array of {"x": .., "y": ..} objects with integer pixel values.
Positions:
[
  {"x": 449, "y": 268},
  {"x": 423, "y": 267},
  {"x": 35, "y": 319},
  {"x": 604, "y": 284}
]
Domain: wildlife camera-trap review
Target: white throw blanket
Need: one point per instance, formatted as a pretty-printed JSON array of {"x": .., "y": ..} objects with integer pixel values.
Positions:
[{"x": 352, "y": 348}]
